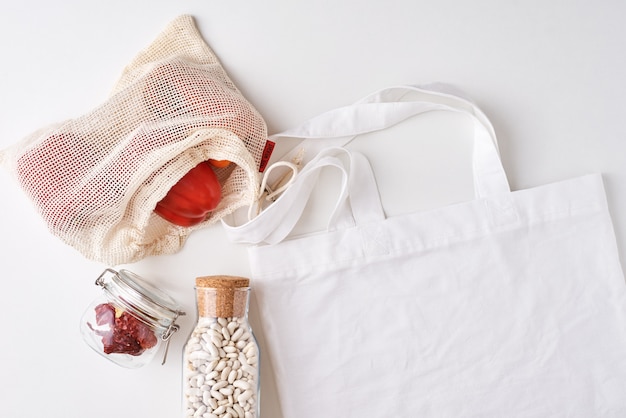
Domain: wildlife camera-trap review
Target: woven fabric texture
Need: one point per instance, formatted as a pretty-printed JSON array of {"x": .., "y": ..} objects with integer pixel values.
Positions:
[{"x": 96, "y": 179}]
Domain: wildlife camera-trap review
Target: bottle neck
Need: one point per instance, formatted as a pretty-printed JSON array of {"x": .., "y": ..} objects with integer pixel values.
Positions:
[{"x": 222, "y": 302}]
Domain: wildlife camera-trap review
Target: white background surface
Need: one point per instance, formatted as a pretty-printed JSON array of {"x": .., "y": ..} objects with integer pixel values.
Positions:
[{"x": 549, "y": 74}]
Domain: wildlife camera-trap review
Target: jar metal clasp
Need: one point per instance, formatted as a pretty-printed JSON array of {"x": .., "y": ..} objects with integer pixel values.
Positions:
[
  {"x": 167, "y": 335},
  {"x": 100, "y": 280}
]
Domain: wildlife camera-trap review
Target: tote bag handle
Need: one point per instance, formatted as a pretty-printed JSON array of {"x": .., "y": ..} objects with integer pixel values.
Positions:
[
  {"x": 324, "y": 133},
  {"x": 274, "y": 223},
  {"x": 390, "y": 106}
]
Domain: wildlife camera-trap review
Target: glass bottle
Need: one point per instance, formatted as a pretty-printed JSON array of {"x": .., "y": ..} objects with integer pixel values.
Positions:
[
  {"x": 221, "y": 358},
  {"x": 130, "y": 320}
]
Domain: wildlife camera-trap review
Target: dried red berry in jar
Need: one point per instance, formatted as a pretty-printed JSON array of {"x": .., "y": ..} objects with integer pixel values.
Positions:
[{"x": 126, "y": 334}]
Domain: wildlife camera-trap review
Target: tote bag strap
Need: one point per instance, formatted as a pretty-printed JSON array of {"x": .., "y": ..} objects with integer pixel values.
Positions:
[
  {"x": 274, "y": 223},
  {"x": 390, "y": 106},
  {"x": 325, "y": 133}
]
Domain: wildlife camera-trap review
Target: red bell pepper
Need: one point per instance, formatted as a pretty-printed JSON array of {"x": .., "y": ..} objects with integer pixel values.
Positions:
[{"x": 190, "y": 200}]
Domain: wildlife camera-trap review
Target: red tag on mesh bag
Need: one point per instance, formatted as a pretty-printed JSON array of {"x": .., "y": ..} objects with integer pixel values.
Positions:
[{"x": 96, "y": 179}]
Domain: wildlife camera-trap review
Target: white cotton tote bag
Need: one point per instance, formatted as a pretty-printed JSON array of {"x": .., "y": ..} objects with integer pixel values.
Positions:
[{"x": 509, "y": 305}]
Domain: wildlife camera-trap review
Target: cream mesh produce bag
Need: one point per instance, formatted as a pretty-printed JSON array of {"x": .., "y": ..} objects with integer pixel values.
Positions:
[{"x": 96, "y": 179}]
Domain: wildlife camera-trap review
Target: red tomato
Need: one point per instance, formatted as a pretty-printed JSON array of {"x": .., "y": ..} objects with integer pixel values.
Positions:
[{"x": 195, "y": 195}]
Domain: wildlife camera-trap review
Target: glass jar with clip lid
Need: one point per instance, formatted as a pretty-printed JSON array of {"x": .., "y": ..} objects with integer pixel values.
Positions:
[{"x": 131, "y": 319}]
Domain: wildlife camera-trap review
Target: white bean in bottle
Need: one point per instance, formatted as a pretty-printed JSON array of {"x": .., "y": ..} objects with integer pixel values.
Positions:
[{"x": 221, "y": 357}]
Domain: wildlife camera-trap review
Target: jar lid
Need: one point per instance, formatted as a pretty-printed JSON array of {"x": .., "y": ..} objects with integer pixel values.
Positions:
[
  {"x": 222, "y": 282},
  {"x": 222, "y": 296},
  {"x": 140, "y": 298}
]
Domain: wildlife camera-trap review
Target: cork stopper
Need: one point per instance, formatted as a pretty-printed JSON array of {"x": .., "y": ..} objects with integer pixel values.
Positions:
[{"x": 222, "y": 296}]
